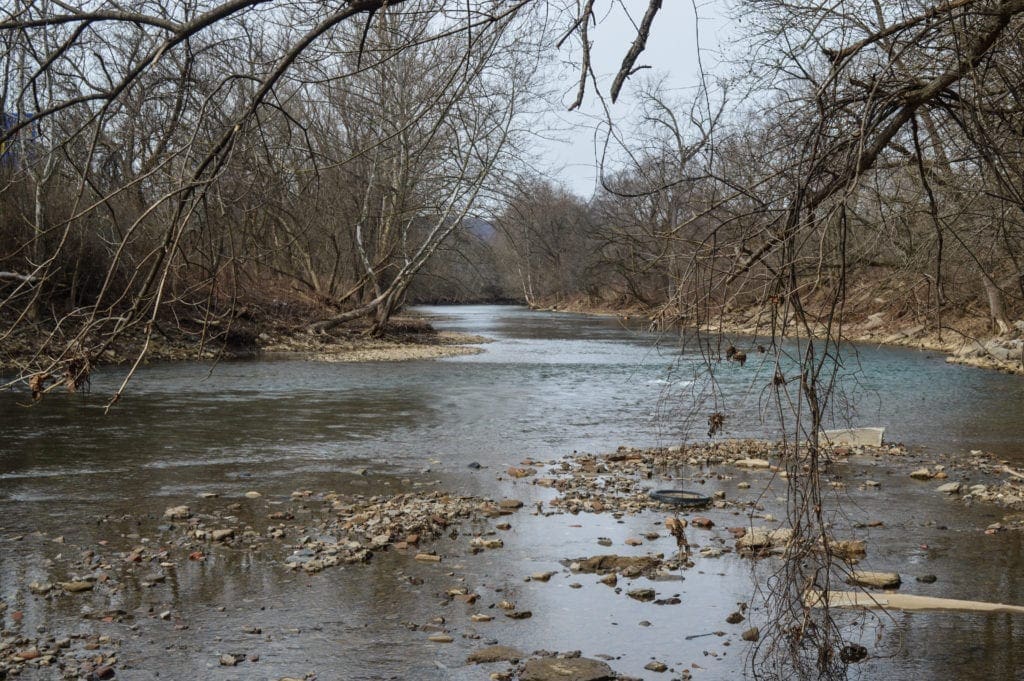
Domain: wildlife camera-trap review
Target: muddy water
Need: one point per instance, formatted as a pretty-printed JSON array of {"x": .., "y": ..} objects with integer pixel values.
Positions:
[{"x": 548, "y": 385}]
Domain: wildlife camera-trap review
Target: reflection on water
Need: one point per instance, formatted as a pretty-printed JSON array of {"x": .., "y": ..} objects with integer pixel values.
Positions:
[{"x": 549, "y": 384}]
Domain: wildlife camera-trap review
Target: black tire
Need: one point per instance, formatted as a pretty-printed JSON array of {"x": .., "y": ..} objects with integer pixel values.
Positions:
[{"x": 679, "y": 497}]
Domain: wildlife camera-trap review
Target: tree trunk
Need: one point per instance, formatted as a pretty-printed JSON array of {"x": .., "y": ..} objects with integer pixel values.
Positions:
[{"x": 997, "y": 311}]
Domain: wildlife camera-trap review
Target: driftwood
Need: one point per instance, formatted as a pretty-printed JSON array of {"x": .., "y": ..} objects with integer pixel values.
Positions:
[
  {"x": 860, "y": 599},
  {"x": 1013, "y": 472}
]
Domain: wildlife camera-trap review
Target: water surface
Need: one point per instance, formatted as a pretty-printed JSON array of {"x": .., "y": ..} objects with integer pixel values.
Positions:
[{"x": 549, "y": 384}]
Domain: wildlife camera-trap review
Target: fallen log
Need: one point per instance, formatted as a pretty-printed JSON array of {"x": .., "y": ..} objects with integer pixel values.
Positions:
[{"x": 860, "y": 599}]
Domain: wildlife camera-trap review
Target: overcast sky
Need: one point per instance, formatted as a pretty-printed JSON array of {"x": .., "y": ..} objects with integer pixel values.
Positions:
[{"x": 672, "y": 52}]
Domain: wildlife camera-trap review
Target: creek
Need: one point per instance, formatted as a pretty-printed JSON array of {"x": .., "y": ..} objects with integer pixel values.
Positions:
[{"x": 549, "y": 384}]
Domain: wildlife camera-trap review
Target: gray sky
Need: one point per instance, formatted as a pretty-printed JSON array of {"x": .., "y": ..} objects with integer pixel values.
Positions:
[{"x": 672, "y": 52}]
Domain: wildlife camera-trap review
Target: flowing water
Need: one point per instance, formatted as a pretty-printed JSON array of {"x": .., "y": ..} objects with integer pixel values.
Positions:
[{"x": 547, "y": 385}]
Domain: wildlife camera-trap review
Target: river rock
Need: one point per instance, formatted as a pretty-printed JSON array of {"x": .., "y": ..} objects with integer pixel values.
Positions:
[
  {"x": 877, "y": 580},
  {"x": 222, "y": 535},
  {"x": 627, "y": 566},
  {"x": 848, "y": 549},
  {"x": 656, "y": 666},
  {"x": 486, "y": 543},
  {"x": 178, "y": 513},
  {"x": 753, "y": 463},
  {"x": 641, "y": 594},
  {"x": 252, "y": 494},
  {"x": 440, "y": 638},
  {"x": 75, "y": 587},
  {"x": 950, "y": 488},
  {"x": 674, "y": 525},
  {"x": 762, "y": 539},
  {"x": 572, "y": 669},
  {"x": 495, "y": 654},
  {"x": 751, "y": 634},
  {"x": 922, "y": 474}
]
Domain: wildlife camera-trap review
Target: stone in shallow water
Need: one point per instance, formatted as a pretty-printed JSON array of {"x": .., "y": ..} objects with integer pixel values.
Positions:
[
  {"x": 575, "y": 669},
  {"x": 178, "y": 513},
  {"x": 440, "y": 638},
  {"x": 642, "y": 594}
]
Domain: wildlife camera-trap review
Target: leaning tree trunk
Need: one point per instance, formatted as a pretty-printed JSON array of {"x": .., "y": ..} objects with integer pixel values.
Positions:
[{"x": 996, "y": 308}]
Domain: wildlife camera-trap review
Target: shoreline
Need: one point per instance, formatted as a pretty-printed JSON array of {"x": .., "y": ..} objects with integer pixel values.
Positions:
[
  {"x": 412, "y": 338},
  {"x": 962, "y": 344}
]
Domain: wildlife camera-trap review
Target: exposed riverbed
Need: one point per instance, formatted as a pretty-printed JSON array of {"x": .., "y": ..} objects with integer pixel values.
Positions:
[{"x": 548, "y": 385}]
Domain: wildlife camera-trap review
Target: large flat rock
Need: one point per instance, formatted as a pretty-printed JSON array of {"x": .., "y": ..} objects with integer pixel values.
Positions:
[{"x": 573, "y": 669}]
